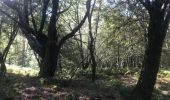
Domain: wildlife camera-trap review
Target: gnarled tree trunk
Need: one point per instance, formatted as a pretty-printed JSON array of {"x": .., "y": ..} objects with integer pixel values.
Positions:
[{"x": 46, "y": 46}]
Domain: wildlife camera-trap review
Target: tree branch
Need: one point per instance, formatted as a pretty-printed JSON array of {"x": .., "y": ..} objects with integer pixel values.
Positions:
[
  {"x": 44, "y": 10},
  {"x": 32, "y": 17},
  {"x": 72, "y": 33},
  {"x": 146, "y": 4},
  {"x": 64, "y": 10},
  {"x": 165, "y": 5},
  {"x": 167, "y": 19}
]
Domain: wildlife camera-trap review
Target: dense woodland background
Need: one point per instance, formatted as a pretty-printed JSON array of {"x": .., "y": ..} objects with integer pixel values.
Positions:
[{"x": 84, "y": 49}]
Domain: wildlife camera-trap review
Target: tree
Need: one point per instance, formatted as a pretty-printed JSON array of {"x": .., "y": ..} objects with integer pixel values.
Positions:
[
  {"x": 3, "y": 55},
  {"x": 46, "y": 46},
  {"x": 159, "y": 17},
  {"x": 92, "y": 37}
]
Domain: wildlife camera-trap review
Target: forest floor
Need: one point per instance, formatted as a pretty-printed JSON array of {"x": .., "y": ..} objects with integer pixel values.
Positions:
[{"x": 108, "y": 86}]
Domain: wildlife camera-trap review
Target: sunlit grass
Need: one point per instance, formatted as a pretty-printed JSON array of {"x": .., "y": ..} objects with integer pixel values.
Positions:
[
  {"x": 21, "y": 70},
  {"x": 164, "y": 72}
]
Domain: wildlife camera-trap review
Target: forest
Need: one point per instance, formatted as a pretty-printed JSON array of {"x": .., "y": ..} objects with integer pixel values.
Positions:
[{"x": 84, "y": 50}]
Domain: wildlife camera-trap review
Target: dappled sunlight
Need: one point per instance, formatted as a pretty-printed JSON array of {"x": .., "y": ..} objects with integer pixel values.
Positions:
[
  {"x": 26, "y": 88},
  {"x": 163, "y": 85},
  {"x": 128, "y": 80},
  {"x": 84, "y": 50},
  {"x": 163, "y": 82},
  {"x": 22, "y": 70},
  {"x": 106, "y": 87}
]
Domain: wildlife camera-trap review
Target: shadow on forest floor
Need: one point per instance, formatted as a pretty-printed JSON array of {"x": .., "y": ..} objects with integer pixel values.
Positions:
[
  {"x": 162, "y": 91},
  {"x": 19, "y": 87}
]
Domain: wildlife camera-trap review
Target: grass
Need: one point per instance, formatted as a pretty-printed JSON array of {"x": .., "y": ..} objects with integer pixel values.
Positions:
[{"x": 22, "y": 70}]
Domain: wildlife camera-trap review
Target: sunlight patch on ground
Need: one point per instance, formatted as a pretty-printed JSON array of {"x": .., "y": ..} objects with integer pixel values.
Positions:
[
  {"x": 165, "y": 92},
  {"x": 21, "y": 70}
]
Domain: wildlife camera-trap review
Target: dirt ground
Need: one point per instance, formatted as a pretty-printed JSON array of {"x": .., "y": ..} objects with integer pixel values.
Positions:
[{"x": 18, "y": 87}]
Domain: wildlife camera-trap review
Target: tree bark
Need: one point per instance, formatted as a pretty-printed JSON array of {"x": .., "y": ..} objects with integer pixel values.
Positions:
[
  {"x": 157, "y": 29},
  {"x": 92, "y": 45},
  {"x": 2, "y": 66},
  {"x": 50, "y": 59}
]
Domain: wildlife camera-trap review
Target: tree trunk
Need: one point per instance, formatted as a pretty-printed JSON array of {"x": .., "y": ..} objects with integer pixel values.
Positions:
[
  {"x": 94, "y": 64},
  {"x": 92, "y": 45},
  {"x": 6, "y": 50},
  {"x": 2, "y": 65},
  {"x": 49, "y": 62},
  {"x": 156, "y": 34},
  {"x": 46, "y": 46}
]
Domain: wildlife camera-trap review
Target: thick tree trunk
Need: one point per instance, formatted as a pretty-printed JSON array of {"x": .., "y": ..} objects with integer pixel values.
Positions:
[
  {"x": 146, "y": 82},
  {"x": 156, "y": 35},
  {"x": 47, "y": 47},
  {"x": 49, "y": 63}
]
